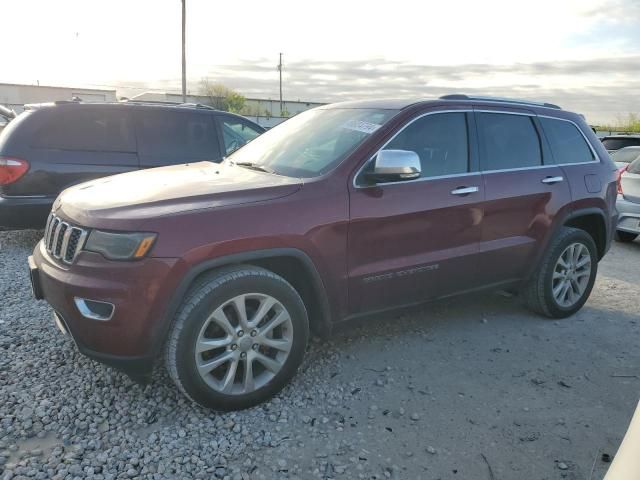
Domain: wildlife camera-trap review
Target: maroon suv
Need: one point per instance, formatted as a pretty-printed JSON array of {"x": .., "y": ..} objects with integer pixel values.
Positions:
[{"x": 221, "y": 270}]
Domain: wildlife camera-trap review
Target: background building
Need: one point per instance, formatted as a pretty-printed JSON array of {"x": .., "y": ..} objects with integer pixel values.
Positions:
[
  {"x": 265, "y": 112},
  {"x": 15, "y": 96}
]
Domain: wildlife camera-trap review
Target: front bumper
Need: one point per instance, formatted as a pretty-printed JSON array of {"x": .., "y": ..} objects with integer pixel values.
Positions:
[
  {"x": 139, "y": 291},
  {"x": 24, "y": 212},
  {"x": 628, "y": 215}
]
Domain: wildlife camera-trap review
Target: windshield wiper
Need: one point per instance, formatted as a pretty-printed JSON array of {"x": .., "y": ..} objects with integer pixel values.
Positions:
[{"x": 255, "y": 166}]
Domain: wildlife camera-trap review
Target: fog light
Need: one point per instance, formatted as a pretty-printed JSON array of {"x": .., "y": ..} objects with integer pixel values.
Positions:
[{"x": 94, "y": 309}]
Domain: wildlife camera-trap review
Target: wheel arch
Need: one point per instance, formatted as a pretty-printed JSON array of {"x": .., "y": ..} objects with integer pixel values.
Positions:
[
  {"x": 581, "y": 218},
  {"x": 292, "y": 264},
  {"x": 592, "y": 221}
]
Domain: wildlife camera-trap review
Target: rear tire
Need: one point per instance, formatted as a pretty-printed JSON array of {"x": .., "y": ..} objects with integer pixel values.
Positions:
[
  {"x": 625, "y": 237},
  {"x": 563, "y": 282},
  {"x": 237, "y": 339}
]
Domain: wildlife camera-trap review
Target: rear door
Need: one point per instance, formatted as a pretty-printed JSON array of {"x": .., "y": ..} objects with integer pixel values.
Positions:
[
  {"x": 76, "y": 143},
  {"x": 524, "y": 191},
  {"x": 414, "y": 240},
  {"x": 168, "y": 136}
]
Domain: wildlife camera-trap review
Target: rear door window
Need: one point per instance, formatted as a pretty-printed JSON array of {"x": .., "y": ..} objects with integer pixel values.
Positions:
[
  {"x": 88, "y": 129},
  {"x": 236, "y": 133},
  {"x": 567, "y": 143},
  {"x": 441, "y": 142},
  {"x": 508, "y": 141},
  {"x": 168, "y": 137}
]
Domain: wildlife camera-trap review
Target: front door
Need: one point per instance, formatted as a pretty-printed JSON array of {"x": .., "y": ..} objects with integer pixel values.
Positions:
[{"x": 414, "y": 240}]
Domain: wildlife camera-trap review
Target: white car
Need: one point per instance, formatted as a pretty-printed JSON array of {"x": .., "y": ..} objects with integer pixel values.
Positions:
[
  {"x": 625, "y": 156},
  {"x": 626, "y": 464}
]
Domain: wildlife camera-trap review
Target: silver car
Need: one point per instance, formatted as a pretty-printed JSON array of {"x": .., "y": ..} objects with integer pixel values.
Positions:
[
  {"x": 625, "y": 156},
  {"x": 628, "y": 203}
]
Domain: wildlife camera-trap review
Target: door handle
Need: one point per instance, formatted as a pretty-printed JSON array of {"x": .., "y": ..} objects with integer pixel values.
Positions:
[
  {"x": 552, "y": 180},
  {"x": 464, "y": 190}
]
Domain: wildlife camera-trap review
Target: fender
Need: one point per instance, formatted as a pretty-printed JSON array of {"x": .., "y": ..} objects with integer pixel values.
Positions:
[
  {"x": 559, "y": 222},
  {"x": 238, "y": 258},
  {"x": 608, "y": 230}
]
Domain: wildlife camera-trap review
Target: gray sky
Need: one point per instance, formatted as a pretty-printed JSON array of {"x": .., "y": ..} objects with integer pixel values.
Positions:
[{"x": 583, "y": 55}]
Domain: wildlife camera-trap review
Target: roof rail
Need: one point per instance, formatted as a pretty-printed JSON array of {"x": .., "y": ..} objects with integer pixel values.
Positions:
[
  {"x": 150, "y": 102},
  {"x": 169, "y": 103},
  {"x": 33, "y": 106},
  {"x": 461, "y": 96},
  {"x": 197, "y": 105}
]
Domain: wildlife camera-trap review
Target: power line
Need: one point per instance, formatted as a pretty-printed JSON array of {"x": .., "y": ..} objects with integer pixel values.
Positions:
[
  {"x": 184, "y": 51},
  {"x": 280, "y": 70}
]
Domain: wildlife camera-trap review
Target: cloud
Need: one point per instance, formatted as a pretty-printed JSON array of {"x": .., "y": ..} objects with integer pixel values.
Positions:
[
  {"x": 600, "y": 88},
  {"x": 614, "y": 12}
]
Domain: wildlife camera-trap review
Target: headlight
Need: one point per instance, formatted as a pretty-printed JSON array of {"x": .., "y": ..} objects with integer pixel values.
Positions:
[{"x": 120, "y": 246}]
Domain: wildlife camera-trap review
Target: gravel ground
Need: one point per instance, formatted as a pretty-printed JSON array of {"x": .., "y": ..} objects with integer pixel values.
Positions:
[{"x": 469, "y": 388}]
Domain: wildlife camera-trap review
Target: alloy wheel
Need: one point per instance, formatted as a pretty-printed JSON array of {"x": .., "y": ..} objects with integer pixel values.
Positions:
[
  {"x": 571, "y": 275},
  {"x": 244, "y": 343}
]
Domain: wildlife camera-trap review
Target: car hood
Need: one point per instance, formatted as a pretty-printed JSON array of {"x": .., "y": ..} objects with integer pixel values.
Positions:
[{"x": 168, "y": 190}]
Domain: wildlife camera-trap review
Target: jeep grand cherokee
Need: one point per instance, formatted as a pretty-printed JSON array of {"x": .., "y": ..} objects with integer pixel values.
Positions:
[{"x": 221, "y": 271}]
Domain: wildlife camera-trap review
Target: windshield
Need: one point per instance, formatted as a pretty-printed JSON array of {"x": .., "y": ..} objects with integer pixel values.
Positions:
[
  {"x": 313, "y": 142},
  {"x": 626, "y": 155}
]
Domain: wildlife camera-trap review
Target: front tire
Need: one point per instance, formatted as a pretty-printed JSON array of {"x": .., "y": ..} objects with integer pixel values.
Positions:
[
  {"x": 563, "y": 282},
  {"x": 237, "y": 339},
  {"x": 625, "y": 237}
]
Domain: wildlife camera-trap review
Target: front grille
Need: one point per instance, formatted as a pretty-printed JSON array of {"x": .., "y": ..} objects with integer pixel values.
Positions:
[{"x": 63, "y": 240}]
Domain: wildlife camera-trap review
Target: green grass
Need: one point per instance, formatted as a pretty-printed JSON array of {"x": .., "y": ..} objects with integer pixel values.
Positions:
[{"x": 630, "y": 123}]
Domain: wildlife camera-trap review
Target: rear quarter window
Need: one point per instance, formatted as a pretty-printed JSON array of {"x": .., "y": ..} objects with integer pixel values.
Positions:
[
  {"x": 568, "y": 145},
  {"x": 88, "y": 129}
]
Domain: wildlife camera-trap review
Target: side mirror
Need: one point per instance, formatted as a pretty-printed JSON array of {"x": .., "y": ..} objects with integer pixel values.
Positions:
[{"x": 394, "y": 166}]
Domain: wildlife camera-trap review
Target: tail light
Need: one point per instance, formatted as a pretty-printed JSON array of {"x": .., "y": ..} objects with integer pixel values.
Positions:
[
  {"x": 620, "y": 172},
  {"x": 11, "y": 169}
]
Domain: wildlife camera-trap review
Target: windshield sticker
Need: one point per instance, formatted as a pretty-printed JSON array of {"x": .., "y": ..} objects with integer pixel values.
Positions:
[{"x": 361, "y": 126}]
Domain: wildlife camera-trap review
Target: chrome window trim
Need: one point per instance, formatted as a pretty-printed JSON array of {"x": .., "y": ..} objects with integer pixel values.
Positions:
[{"x": 479, "y": 172}]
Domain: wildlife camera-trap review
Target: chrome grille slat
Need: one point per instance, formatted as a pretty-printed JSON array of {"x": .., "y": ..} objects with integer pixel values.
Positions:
[
  {"x": 56, "y": 234},
  {"x": 63, "y": 240},
  {"x": 54, "y": 227}
]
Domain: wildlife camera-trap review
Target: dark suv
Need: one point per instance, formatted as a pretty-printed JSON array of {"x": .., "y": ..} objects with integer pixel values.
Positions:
[
  {"x": 344, "y": 210},
  {"x": 52, "y": 146}
]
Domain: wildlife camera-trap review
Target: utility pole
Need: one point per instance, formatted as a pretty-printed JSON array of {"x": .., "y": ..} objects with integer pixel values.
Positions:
[
  {"x": 184, "y": 51},
  {"x": 280, "y": 70}
]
